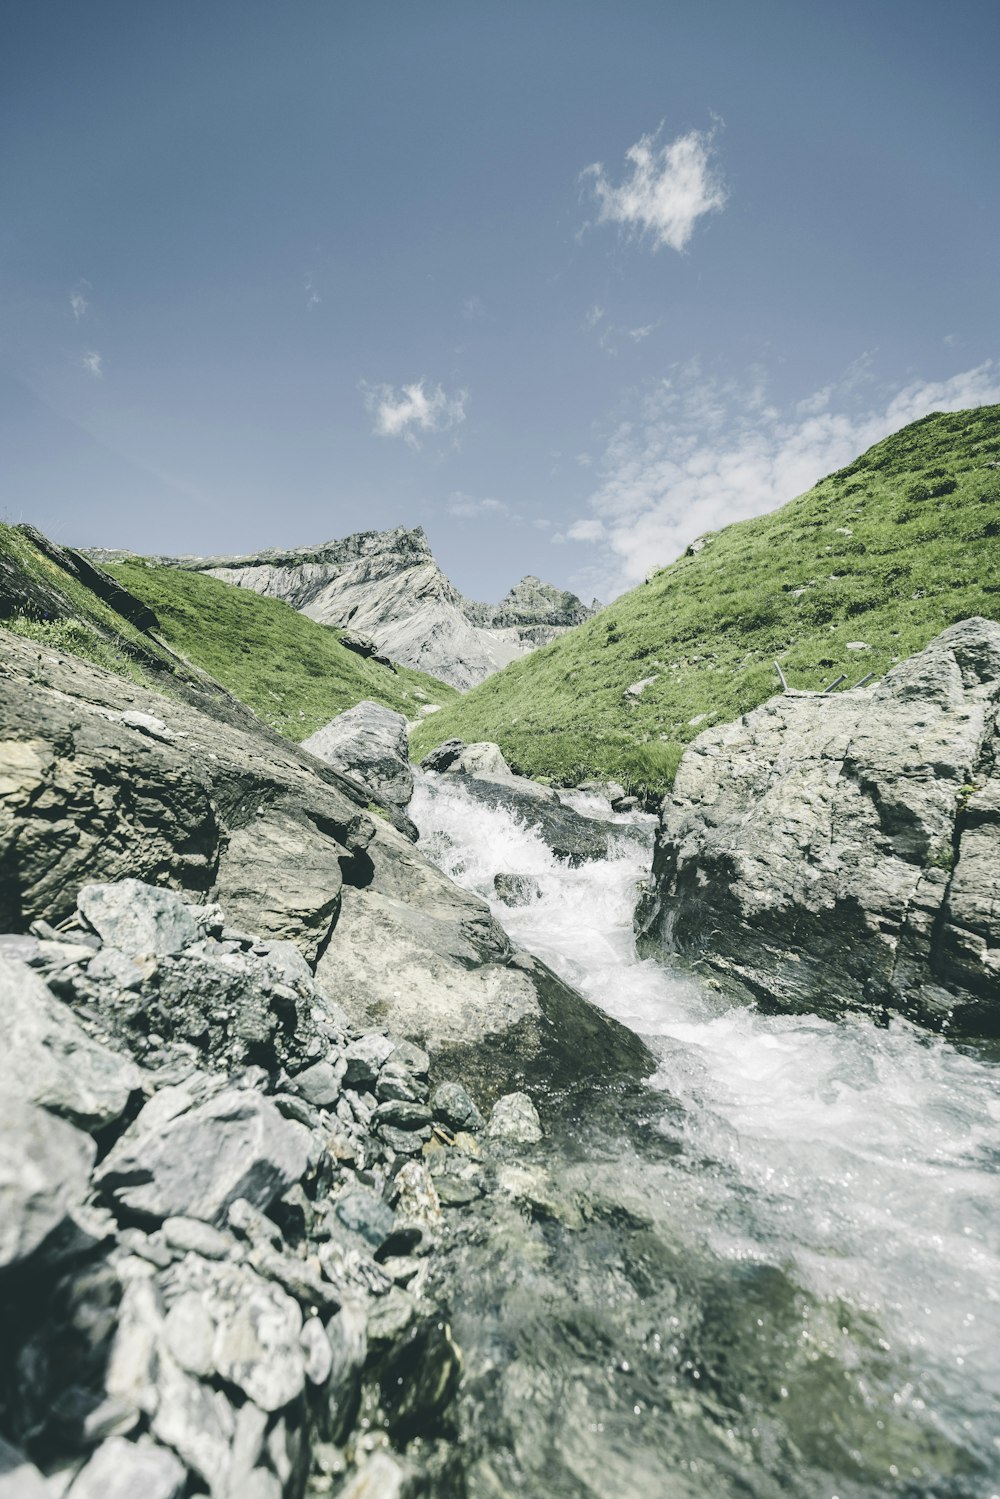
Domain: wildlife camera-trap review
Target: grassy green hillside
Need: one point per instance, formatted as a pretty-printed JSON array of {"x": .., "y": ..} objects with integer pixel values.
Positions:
[
  {"x": 292, "y": 672},
  {"x": 885, "y": 552}
]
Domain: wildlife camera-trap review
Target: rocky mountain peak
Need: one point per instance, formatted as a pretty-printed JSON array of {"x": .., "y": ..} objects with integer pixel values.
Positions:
[{"x": 388, "y": 586}]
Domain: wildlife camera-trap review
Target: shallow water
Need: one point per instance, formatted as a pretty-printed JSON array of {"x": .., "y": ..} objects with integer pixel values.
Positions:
[{"x": 818, "y": 1308}]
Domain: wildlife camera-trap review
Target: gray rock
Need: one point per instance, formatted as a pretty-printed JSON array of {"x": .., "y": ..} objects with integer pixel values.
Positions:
[
  {"x": 47, "y": 1058},
  {"x": 195, "y": 1163},
  {"x": 139, "y": 920},
  {"x": 515, "y": 1118},
  {"x": 258, "y": 1330},
  {"x": 841, "y": 851},
  {"x": 120, "y": 1469},
  {"x": 370, "y": 743},
  {"x": 316, "y": 1351},
  {"x": 365, "y": 1058},
  {"x": 195, "y": 1420},
  {"x": 517, "y": 889},
  {"x": 413, "y": 1058},
  {"x": 417, "y": 1202},
  {"x": 19, "y": 1478},
  {"x": 402, "y": 1114},
  {"x": 570, "y": 835},
  {"x": 387, "y": 585},
  {"x": 444, "y": 756},
  {"x": 625, "y": 804},
  {"x": 192, "y": 1236},
  {"x": 319, "y": 1084},
  {"x": 406, "y": 1141},
  {"x": 44, "y": 1169},
  {"x": 483, "y": 759},
  {"x": 365, "y": 1214},
  {"x": 451, "y": 1103}
]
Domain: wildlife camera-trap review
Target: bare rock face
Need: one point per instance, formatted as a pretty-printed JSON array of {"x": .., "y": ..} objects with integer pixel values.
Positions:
[
  {"x": 832, "y": 852},
  {"x": 370, "y": 743},
  {"x": 386, "y": 586}
]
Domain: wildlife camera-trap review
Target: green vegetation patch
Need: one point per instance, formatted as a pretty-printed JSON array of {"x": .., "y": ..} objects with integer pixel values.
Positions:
[
  {"x": 883, "y": 554},
  {"x": 293, "y": 672}
]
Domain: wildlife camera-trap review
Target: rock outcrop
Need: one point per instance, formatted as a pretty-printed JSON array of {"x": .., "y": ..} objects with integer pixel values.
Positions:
[
  {"x": 386, "y": 585},
  {"x": 843, "y": 850},
  {"x": 370, "y": 744},
  {"x": 216, "y": 1275},
  {"x": 103, "y": 781}
]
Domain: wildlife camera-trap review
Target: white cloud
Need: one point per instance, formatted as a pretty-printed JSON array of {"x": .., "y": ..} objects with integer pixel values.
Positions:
[
  {"x": 698, "y": 454},
  {"x": 78, "y": 300},
  {"x": 670, "y": 188},
  {"x": 93, "y": 363},
  {"x": 466, "y": 508},
  {"x": 414, "y": 408},
  {"x": 313, "y": 298}
]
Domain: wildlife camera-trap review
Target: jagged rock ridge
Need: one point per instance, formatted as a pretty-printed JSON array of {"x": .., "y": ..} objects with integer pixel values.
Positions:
[{"x": 387, "y": 585}]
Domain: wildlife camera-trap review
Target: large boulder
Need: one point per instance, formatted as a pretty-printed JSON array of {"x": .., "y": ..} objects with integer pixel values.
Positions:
[
  {"x": 369, "y": 742},
  {"x": 44, "y": 1173},
  {"x": 842, "y": 851},
  {"x": 570, "y": 835}
]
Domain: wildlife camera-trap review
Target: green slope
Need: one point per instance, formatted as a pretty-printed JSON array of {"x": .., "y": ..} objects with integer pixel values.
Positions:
[
  {"x": 887, "y": 551},
  {"x": 292, "y": 672}
]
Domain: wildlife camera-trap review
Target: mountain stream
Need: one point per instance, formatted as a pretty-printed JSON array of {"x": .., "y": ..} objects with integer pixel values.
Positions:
[{"x": 774, "y": 1270}]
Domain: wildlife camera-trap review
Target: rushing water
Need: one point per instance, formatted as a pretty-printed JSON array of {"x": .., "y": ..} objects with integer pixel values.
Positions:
[{"x": 818, "y": 1311}]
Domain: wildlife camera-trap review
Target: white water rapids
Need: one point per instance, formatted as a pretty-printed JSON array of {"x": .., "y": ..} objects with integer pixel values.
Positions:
[{"x": 863, "y": 1160}]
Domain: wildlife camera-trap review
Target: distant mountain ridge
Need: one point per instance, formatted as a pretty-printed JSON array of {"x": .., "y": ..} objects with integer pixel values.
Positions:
[{"x": 388, "y": 585}]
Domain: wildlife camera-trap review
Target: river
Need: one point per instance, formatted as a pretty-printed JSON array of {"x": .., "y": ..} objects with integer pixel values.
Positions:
[{"x": 778, "y": 1275}]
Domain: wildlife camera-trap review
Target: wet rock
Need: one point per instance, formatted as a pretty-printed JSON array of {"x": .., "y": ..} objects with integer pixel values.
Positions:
[
  {"x": 130, "y": 1470},
  {"x": 370, "y": 743},
  {"x": 44, "y": 1171},
  {"x": 382, "y": 1477},
  {"x": 47, "y": 1057},
  {"x": 625, "y": 804},
  {"x": 389, "y": 1317},
  {"x": 570, "y": 835},
  {"x": 444, "y": 756},
  {"x": 195, "y": 1163},
  {"x": 515, "y": 1118},
  {"x": 452, "y": 1105},
  {"x": 517, "y": 889},
  {"x": 139, "y": 920},
  {"x": 419, "y": 1378},
  {"x": 348, "y": 1339}
]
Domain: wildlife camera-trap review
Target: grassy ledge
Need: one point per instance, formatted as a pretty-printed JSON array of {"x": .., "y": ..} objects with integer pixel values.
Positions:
[{"x": 884, "y": 553}]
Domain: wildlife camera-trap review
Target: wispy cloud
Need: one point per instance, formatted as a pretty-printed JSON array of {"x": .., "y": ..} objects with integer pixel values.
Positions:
[
  {"x": 313, "y": 298},
  {"x": 93, "y": 363},
  {"x": 667, "y": 191},
  {"x": 78, "y": 299},
  {"x": 413, "y": 409},
  {"x": 474, "y": 309},
  {"x": 466, "y": 508},
  {"x": 698, "y": 453}
]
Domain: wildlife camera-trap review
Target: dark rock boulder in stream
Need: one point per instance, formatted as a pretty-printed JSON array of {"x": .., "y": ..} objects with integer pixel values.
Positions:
[{"x": 842, "y": 851}]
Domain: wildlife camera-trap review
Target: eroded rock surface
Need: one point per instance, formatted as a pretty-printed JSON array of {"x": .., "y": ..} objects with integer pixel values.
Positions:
[
  {"x": 843, "y": 850},
  {"x": 369, "y": 743},
  {"x": 387, "y": 586}
]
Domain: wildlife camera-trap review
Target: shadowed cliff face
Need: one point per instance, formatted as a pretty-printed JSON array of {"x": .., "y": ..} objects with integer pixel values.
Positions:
[{"x": 387, "y": 585}]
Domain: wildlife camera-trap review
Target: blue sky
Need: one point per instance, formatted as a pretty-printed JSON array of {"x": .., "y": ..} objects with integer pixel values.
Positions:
[{"x": 565, "y": 283}]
